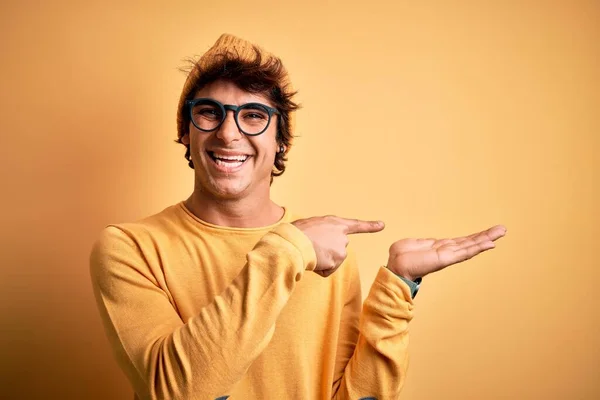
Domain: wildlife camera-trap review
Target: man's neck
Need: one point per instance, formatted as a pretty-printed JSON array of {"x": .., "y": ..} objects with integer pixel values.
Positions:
[{"x": 248, "y": 212}]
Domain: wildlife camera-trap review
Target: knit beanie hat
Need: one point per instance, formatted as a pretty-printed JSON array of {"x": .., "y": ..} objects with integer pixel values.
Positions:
[{"x": 243, "y": 51}]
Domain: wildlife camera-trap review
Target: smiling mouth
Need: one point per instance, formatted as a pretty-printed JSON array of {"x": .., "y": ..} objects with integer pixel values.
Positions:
[{"x": 228, "y": 162}]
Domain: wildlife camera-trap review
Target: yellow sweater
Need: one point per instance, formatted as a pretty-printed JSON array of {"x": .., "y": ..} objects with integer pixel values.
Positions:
[{"x": 199, "y": 311}]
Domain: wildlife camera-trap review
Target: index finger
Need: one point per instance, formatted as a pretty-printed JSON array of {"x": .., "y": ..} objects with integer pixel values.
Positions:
[{"x": 360, "y": 226}]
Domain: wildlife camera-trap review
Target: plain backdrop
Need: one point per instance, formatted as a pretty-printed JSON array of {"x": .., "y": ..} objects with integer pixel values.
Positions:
[{"x": 439, "y": 117}]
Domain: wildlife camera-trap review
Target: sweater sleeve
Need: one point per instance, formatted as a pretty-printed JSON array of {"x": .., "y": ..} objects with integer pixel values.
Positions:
[
  {"x": 372, "y": 356},
  {"x": 165, "y": 358}
]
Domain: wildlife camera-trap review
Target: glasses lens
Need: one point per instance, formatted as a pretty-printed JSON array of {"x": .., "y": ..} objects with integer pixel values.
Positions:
[
  {"x": 207, "y": 115},
  {"x": 253, "y": 119}
]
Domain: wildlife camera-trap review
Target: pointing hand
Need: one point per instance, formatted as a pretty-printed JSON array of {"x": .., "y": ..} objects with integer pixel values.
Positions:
[{"x": 329, "y": 236}]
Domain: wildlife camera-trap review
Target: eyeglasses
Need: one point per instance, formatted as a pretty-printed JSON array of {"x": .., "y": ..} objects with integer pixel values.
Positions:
[{"x": 208, "y": 115}]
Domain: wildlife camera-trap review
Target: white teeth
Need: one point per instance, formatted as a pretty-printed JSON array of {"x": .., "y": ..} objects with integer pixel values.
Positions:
[
  {"x": 229, "y": 164},
  {"x": 233, "y": 158}
]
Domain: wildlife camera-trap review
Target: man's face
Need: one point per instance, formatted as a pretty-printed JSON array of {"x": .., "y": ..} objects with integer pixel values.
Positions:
[{"x": 227, "y": 163}]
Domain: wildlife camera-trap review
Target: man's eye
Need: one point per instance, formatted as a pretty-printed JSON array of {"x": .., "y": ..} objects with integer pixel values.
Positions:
[
  {"x": 207, "y": 112},
  {"x": 253, "y": 115}
]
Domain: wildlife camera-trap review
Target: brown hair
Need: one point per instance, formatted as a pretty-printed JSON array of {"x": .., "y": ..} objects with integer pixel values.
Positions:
[{"x": 259, "y": 73}]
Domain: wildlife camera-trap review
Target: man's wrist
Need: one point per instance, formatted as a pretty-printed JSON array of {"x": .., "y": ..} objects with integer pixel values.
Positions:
[{"x": 402, "y": 273}]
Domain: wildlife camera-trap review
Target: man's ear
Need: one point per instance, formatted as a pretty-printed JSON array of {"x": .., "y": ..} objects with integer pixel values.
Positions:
[{"x": 185, "y": 139}]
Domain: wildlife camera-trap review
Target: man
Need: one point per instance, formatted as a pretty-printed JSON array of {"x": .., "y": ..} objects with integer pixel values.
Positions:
[{"x": 227, "y": 293}]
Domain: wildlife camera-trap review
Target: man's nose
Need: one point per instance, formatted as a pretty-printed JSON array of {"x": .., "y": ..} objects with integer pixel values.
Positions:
[{"x": 228, "y": 131}]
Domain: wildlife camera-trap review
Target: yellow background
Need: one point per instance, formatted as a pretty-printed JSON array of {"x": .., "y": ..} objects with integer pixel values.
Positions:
[{"x": 438, "y": 117}]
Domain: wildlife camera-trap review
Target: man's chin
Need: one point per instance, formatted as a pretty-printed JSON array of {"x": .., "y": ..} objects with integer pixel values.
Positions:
[{"x": 228, "y": 189}]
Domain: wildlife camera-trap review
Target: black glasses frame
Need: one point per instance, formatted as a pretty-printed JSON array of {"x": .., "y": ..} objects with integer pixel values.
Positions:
[{"x": 230, "y": 107}]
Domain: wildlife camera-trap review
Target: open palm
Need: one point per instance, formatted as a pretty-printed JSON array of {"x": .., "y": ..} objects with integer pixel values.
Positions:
[{"x": 413, "y": 258}]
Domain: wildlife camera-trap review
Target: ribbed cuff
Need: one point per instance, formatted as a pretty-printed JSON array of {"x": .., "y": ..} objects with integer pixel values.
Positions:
[
  {"x": 296, "y": 237},
  {"x": 391, "y": 281}
]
